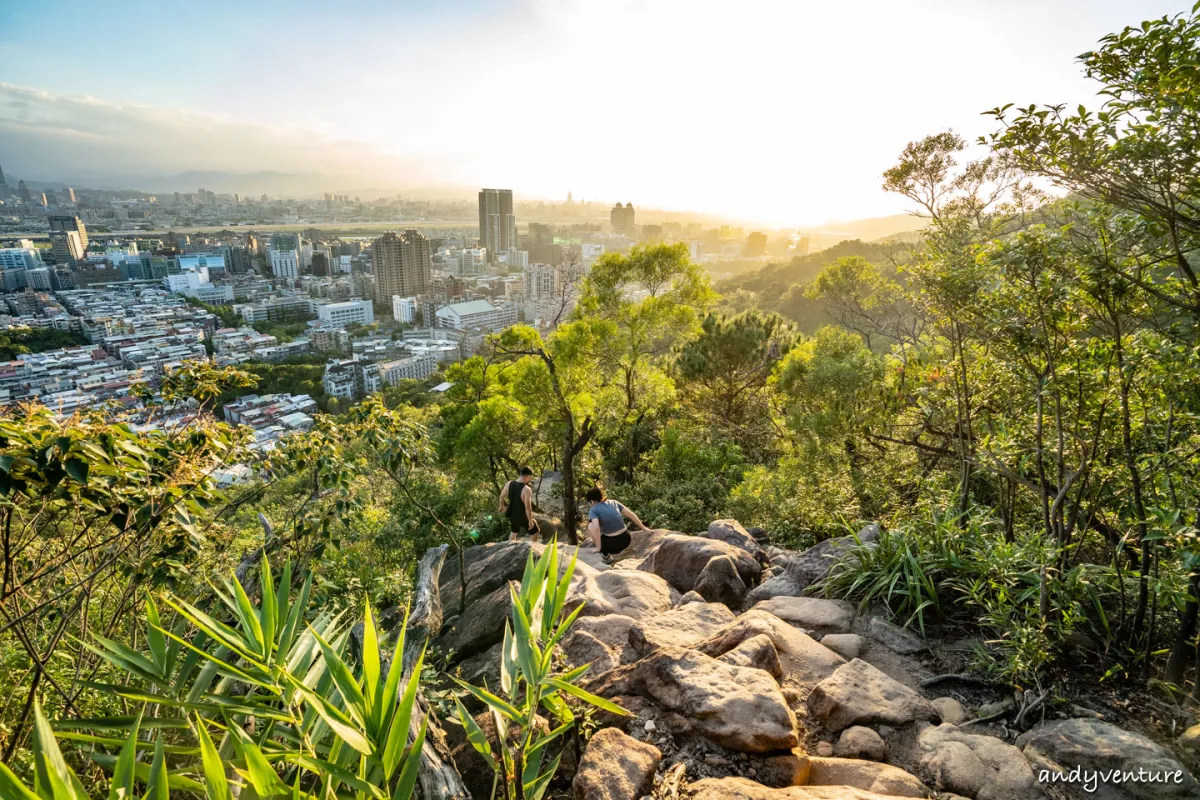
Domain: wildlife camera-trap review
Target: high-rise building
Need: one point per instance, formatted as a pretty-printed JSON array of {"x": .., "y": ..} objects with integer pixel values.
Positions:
[
  {"x": 403, "y": 263},
  {"x": 68, "y": 222},
  {"x": 621, "y": 217},
  {"x": 67, "y": 246},
  {"x": 23, "y": 192},
  {"x": 5, "y": 192},
  {"x": 497, "y": 223},
  {"x": 285, "y": 264},
  {"x": 71, "y": 197},
  {"x": 756, "y": 244}
]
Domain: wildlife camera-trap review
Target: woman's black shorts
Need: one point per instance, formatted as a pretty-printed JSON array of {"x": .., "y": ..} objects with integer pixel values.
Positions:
[{"x": 611, "y": 544}]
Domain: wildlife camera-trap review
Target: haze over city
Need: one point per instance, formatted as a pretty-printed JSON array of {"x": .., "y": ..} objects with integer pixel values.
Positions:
[{"x": 783, "y": 114}]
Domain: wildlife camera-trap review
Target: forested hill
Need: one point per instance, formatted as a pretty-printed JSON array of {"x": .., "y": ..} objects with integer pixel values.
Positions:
[{"x": 780, "y": 287}]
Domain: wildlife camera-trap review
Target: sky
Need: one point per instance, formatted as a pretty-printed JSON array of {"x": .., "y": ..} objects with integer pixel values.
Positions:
[{"x": 784, "y": 113}]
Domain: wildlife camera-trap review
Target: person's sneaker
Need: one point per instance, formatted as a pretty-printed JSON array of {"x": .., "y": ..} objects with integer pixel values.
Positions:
[{"x": 608, "y": 559}]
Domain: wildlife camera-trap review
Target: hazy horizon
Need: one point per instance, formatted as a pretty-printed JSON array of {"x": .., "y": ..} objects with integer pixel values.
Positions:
[{"x": 783, "y": 114}]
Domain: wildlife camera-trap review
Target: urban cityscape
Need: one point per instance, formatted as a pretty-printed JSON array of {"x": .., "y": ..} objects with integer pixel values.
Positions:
[{"x": 303, "y": 288}]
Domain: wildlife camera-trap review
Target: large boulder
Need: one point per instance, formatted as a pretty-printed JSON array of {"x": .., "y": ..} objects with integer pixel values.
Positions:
[
  {"x": 736, "y": 707},
  {"x": 719, "y": 582},
  {"x": 1063, "y": 752},
  {"x": 615, "y": 766},
  {"x": 757, "y": 652},
  {"x": 680, "y": 559},
  {"x": 813, "y": 614},
  {"x": 731, "y": 532},
  {"x": 814, "y": 564},
  {"x": 481, "y": 627},
  {"x": 685, "y": 626},
  {"x": 745, "y": 789},
  {"x": 974, "y": 765},
  {"x": 620, "y": 591},
  {"x": 487, "y": 567},
  {"x": 805, "y": 662},
  {"x": 897, "y": 639},
  {"x": 612, "y": 630},
  {"x": 860, "y": 694},
  {"x": 846, "y": 645},
  {"x": 868, "y": 775}
]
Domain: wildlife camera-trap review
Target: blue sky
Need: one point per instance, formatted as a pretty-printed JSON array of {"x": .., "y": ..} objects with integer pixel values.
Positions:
[{"x": 785, "y": 112}]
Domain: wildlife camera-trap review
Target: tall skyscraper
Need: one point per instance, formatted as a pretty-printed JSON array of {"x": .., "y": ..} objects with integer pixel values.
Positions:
[
  {"x": 71, "y": 198},
  {"x": 67, "y": 246},
  {"x": 621, "y": 218},
  {"x": 5, "y": 192},
  {"x": 69, "y": 222},
  {"x": 23, "y": 192},
  {"x": 497, "y": 223},
  {"x": 403, "y": 263}
]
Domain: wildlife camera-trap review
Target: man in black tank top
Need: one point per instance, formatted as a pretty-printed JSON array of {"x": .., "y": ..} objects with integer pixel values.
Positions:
[{"x": 516, "y": 503}]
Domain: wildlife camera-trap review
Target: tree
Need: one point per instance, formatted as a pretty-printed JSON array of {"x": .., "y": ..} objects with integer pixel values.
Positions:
[{"x": 723, "y": 372}]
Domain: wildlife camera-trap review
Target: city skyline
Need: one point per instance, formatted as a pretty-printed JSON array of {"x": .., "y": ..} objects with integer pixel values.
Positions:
[{"x": 624, "y": 122}]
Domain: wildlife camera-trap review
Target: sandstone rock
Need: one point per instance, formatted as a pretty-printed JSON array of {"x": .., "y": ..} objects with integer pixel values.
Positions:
[
  {"x": 615, "y": 766},
  {"x": 784, "y": 769},
  {"x": 759, "y": 535},
  {"x": 988, "y": 709},
  {"x": 977, "y": 766},
  {"x": 731, "y": 532},
  {"x": 859, "y": 694},
  {"x": 1092, "y": 744},
  {"x": 811, "y": 566},
  {"x": 745, "y": 789},
  {"x": 691, "y": 597},
  {"x": 846, "y": 645},
  {"x": 869, "y": 775},
  {"x": 824, "y": 749},
  {"x": 685, "y": 626},
  {"x": 633, "y": 593},
  {"x": 719, "y": 582},
  {"x": 736, "y": 707},
  {"x": 581, "y": 647},
  {"x": 1190, "y": 740},
  {"x": 680, "y": 559},
  {"x": 950, "y": 710},
  {"x": 895, "y": 638},
  {"x": 805, "y": 661},
  {"x": 860, "y": 742},
  {"x": 611, "y": 629},
  {"x": 811, "y": 613},
  {"x": 757, "y": 652}
]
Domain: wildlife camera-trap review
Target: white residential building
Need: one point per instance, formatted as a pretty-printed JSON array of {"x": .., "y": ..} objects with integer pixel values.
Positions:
[
  {"x": 472, "y": 261},
  {"x": 477, "y": 315},
  {"x": 404, "y": 309},
  {"x": 285, "y": 264},
  {"x": 411, "y": 368},
  {"x": 360, "y": 311},
  {"x": 588, "y": 253}
]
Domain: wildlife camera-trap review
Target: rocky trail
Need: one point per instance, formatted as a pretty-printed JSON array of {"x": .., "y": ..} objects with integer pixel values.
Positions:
[{"x": 740, "y": 687}]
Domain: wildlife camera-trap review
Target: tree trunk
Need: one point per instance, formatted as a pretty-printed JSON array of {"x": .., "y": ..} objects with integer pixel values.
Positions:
[{"x": 1184, "y": 640}]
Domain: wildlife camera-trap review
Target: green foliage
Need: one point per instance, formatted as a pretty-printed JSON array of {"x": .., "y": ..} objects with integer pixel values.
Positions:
[
  {"x": 530, "y": 685},
  {"x": 15, "y": 342},
  {"x": 287, "y": 709}
]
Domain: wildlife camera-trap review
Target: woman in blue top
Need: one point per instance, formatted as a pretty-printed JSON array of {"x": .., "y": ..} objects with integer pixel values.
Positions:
[{"x": 606, "y": 523}]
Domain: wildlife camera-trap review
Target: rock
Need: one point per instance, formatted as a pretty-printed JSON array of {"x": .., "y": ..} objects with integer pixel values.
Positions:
[
  {"x": 1190, "y": 740},
  {"x": 950, "y": 710},
  {"x": 691, "y": 597},
  {"x": 612, "y": 630},
  {"x": 615, "y": 766},
  {"x": 488, "y": 568},
  {"x": 824, "y": 749},
  {"x": 680, "y": 559},
  {"x": 630, "y": 592},
  {"x": 757, "y": 652},
  {"x": 990, "y": 709},
  {"x": 759, "y": 535},
  {"x": 685, "y": 626},
  {"x": 784, "y": 769},
  {"x": 846, "y": 645},
  {"x": 719, "y": 582},
  {"x": 811, "y": 566},
  {"x": 581, "y": 647},
  {"x": 731, "y": 532},
  {"x": 736, "y": 707},
  {"x": 895, "y": 638},
  {"x": 859, "y": 694},
  {"x": 869, "y": 775},
  {"x": 745, "y": 789},
  {"x": 977, "y": 766},
  {"x": 1090, "y": 744},
  {"x": 805, "y": 661},
  {"x": 860, "y": 742},
  {"x": 483, "y": 667},
  {"x": 478, "y": 629},
  {"x": 811, "y": 613}
]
